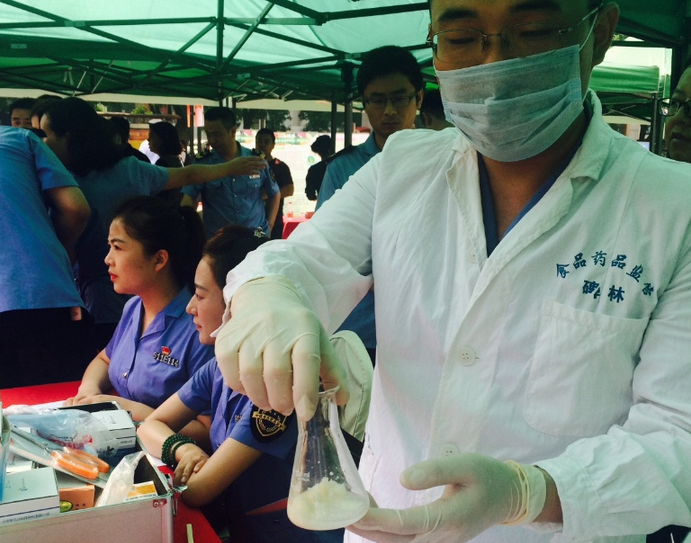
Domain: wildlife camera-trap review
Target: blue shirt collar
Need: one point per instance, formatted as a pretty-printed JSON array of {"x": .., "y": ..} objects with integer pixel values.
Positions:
[
  {"x": 488, "y": 211},
  {"x": 370, "y": 146},
  {"x": 175, "y": 309}
]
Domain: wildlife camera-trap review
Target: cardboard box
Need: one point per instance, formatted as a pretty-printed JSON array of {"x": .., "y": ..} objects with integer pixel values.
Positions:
[
  {"x": 147, "y": 520},
  {"x": 146, "y": 489},
  {"x": 74, "y": 494},
  {"x": 29, "y": 494}
]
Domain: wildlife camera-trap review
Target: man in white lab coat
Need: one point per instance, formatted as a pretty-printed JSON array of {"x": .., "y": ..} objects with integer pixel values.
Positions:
[{"x": 533, "y": 278}]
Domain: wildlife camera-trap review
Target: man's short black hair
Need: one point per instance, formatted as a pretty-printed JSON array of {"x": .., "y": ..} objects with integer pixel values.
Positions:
[
  {"x": 388, "y": 60},
  {"x": 122, "y": 128},
  {"x": 22, "y": 103},
  {"x": 223, "y": 114},
  {"x": 266, "y": 132}
]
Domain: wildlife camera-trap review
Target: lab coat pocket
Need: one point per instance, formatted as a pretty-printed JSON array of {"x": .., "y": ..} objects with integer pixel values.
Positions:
[{"x": 582, "y": 371}]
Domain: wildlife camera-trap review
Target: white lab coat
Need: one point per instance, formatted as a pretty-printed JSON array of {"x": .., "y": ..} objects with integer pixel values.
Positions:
[{"x": 518, "y": 356}]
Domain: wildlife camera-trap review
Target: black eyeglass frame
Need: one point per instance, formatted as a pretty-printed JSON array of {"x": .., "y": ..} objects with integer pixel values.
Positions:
[
  {"x": 665, "y": 107},
  {"x": 384, "y": 100},
  {"x": 484, "y": 37}
]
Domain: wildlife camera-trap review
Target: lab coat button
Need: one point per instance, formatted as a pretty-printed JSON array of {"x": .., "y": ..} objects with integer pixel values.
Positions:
[
  {"x": 466, "y": 356},
  {"x": 449, "y": 449},
  {"x": 124, "y": 375},
  {"x": 472, "y": 257}
]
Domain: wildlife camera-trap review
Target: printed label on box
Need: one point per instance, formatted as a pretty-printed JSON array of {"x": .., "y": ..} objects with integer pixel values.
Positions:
[{"x": 29, "y": 493}]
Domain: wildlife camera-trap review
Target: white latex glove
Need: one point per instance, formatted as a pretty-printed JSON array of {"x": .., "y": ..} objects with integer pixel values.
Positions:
[
  {"x": 274, "y": 349},
  {"x": 479, "y": 493}
]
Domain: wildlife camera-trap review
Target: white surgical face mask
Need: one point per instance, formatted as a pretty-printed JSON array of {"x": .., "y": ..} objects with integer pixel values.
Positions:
[{"x": 515, "y": 109}]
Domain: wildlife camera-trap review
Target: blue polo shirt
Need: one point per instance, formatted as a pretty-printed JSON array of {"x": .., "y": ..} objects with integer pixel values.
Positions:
[
  {"x": 236, "y": 199},
  {"x": 340, "y": 168},
  {"x": 233, "y": 417},
  {"x": 105, "y": 190},
  {"x": 35, "y": 271},
  {"x": 267, "y": 480},
  {"x": 150, "y": 368},
  {"x": 344, "y": 164}
]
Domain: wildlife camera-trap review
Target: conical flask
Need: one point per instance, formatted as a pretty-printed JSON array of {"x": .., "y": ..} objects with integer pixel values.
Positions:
[{"x": 326, "y": 491}]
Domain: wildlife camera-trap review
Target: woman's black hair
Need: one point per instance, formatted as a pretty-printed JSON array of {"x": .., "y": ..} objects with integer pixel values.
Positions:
[
  {"x": 90, "y": 138},
  {"x": 170, "y": 140},
  {"x": 160, "y": 225},
  {"x": 227, "y": 248}
]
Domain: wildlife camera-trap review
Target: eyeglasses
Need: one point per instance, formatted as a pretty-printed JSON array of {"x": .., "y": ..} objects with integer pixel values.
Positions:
[
  {"x": 670, "y": 109},
  {"x": 398, "y": 102},
  {"x": 464, "y": 47}
]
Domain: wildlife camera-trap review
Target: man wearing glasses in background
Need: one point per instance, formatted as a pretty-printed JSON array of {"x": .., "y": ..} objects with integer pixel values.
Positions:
[
  {"x": 533, "y": 322},
  {"x": 678, "y": 118},
  {"x": 390, "y": 84}
]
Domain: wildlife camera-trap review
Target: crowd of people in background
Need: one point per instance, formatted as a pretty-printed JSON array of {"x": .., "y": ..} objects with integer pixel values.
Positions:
[{"x": 111, "y": 277}]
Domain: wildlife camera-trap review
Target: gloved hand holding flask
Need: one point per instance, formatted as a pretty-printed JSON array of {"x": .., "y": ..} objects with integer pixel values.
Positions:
[{"x": 274, "y": 349}]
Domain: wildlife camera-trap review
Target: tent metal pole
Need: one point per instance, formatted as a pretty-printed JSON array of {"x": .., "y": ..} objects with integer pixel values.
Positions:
[
  {"x": 348, "y": 129},
  {"x": 219, "y": 34},
  {"x": 334, "y": 121},
  {"x": 656, "y": 125},
  {"x": 347, "y": 77}
]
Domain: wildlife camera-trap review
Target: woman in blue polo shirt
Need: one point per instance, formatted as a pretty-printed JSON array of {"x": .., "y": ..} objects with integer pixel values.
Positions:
[
  {"x": 84, "y": 143},
  {"x": 248, "y": 474},
  {"x": 154, "y": 249}
]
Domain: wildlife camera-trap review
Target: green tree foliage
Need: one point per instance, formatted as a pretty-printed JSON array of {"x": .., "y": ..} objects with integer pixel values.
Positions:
[
  {"x": 275, "y": 119},
  {"x": 317, "y": 121}
]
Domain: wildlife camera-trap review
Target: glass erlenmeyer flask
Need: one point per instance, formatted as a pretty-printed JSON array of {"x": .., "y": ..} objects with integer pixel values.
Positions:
[{"x": 325, "y": 491}]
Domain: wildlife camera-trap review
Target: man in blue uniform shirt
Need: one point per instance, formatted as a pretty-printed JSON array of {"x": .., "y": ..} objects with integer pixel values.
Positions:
[
  {"x": 235, "y": 199},
  {"x": 390, "y": 84},
  {"x": 42, "y": 214}
]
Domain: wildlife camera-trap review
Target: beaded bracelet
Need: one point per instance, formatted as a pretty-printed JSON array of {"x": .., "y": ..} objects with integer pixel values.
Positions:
[
  {"x": 171, "y": 443},
  {"x": 176, "y": 446}
]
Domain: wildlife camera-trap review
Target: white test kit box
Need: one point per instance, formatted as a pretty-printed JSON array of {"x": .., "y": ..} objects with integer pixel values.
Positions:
[
  {"x": 121, "y": 426},
  {"x": 116, "y": 419},
  {"x": 29, "y": 494}
]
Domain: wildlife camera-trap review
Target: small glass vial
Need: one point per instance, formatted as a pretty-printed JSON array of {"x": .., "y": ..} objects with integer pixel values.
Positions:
[{"x": 325, "y": 491}]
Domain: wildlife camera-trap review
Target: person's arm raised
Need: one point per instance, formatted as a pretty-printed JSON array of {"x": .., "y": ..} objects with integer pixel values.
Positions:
[{"x": 203, "y": 173}]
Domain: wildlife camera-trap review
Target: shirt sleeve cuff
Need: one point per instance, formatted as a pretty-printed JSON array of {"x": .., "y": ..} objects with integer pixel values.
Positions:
[{"x": 580, "y": 503}]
